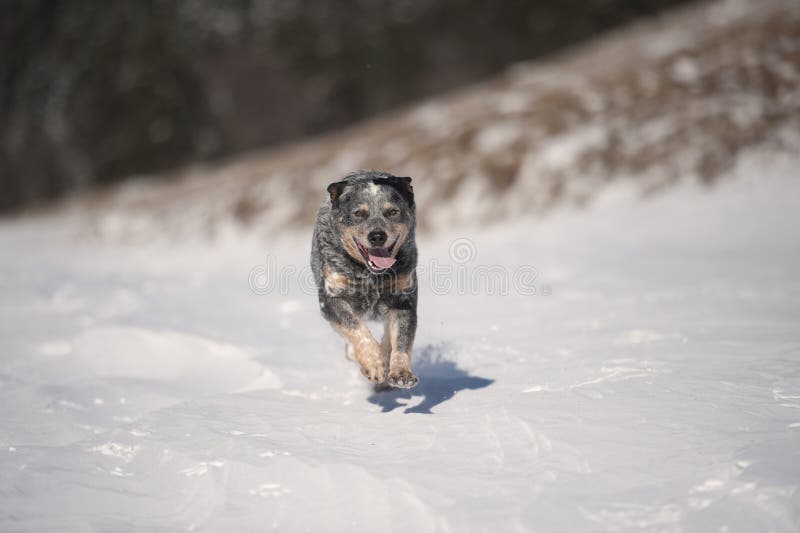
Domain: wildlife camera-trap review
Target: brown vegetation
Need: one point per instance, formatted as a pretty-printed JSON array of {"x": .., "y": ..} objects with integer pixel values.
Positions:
[{"x": 676, "y": 97}]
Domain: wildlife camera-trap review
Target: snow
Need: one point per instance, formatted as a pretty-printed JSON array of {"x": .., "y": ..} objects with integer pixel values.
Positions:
[
  {"x": 650, "y": 381},
  {"x": 673, "y": 97}
]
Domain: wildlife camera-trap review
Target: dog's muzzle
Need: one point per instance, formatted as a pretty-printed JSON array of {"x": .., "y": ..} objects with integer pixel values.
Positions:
[{"x": 378, "y": 258}]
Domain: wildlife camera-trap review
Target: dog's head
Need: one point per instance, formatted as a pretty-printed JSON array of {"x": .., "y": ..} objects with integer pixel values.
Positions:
[{"x": 374, "y": 213}]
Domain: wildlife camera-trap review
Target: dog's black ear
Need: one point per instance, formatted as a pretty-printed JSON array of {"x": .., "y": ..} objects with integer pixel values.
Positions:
[
  {"x": 403, "y": 186},
  {"x": 335, "y": 190}
]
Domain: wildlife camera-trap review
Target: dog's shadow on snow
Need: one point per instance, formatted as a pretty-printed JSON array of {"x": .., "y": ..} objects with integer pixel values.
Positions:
[{"x": 439, "y": 381}]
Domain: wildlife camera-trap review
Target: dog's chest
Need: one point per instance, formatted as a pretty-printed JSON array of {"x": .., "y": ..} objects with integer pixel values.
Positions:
[
  {"x": 368, "y": 297},
  {"x": 367, "y": 301}
]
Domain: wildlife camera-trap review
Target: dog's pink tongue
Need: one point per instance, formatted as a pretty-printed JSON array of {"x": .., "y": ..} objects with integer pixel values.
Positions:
[{"x": 382, "y": 262}]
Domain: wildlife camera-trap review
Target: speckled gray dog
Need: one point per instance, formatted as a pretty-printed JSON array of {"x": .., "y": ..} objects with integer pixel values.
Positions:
[{"x": 363, "y": 257}]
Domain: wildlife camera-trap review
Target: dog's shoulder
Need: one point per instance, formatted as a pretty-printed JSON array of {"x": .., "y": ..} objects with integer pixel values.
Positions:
[{"x": 334, "y": 282}]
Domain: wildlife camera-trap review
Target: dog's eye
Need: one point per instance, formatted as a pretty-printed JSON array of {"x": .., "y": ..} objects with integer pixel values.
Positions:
[
  {"x": 360, "y": 213},
  {"x": 391, "y": 212}
]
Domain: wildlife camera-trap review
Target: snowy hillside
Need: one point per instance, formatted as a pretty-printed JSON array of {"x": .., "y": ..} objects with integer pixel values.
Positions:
[
  {"x": 678, "y": 97},
  {"x": 647, "y": 378}
]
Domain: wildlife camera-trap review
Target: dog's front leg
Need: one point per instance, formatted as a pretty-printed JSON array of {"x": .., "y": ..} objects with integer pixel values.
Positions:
[
  {"x": 401, "y": 325},
  {"x": 356, "y": 334},
  {"x": 365, "y": 349}
]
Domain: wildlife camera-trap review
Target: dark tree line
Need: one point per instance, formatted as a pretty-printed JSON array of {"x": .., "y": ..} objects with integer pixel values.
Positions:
[{"x": 93, "y": 91}]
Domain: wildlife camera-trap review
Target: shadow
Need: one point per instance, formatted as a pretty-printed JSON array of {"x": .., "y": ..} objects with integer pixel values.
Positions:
[{"x": 439, "y": 380}]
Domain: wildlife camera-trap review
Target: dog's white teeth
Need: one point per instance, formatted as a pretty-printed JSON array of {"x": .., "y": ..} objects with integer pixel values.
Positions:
[{"x": 373, "y": 266}]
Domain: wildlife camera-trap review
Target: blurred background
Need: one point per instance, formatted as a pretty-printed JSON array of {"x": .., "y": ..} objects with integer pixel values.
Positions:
[{"x": 96, "y": 92}]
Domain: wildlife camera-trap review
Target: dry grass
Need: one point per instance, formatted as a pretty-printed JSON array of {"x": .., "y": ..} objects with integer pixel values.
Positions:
[{"x": 677, "y": 97}]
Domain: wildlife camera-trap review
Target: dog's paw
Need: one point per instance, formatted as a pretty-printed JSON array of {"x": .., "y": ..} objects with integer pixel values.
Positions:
[
  {"x": 402, "y": 379},
  {"x": 375, "y": 372}
]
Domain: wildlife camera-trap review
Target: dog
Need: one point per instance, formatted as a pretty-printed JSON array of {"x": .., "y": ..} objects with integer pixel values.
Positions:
[{"x": 363, "y": 257}]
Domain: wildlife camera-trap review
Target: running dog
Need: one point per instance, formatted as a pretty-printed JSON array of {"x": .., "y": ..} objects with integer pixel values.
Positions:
[{"x": 363, "y": 257}]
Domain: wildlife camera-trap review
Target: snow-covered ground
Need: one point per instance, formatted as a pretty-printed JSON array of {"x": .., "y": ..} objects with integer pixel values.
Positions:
[{"x": 651, "y": 382}]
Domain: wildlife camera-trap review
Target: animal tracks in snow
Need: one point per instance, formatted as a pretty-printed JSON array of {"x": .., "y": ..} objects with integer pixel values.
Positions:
[
  {"x": 202, "y": 468},
  {"x": 126, "y": 452},
  {"x": 266, "y": 490},
  {"x": 612, "y": 371}
]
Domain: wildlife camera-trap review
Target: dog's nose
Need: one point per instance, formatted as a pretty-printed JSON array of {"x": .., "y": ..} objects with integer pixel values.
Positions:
[{"x": 377, "y": 237}]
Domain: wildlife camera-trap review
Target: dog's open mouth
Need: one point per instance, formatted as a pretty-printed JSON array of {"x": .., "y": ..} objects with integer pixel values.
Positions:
[{"x": 377, "y": 259}]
